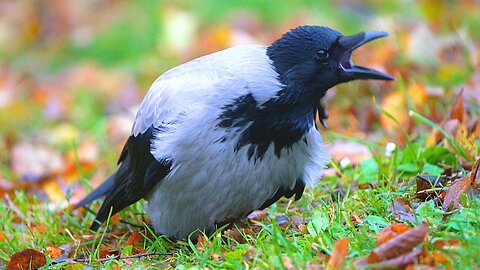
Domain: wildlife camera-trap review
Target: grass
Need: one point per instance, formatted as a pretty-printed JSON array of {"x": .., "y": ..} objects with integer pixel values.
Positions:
[{"x": 327, "y": 210}]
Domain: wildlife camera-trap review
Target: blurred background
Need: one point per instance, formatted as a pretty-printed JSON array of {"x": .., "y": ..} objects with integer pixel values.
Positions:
[{"x": 73, "y": 72}]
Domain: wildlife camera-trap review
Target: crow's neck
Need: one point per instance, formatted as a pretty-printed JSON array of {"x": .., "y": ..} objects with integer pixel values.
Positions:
[{"x": 282, "y": 120}]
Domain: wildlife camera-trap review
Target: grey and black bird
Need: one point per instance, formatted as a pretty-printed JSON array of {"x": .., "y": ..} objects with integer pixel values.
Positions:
[{"x": 232, "y": 132}]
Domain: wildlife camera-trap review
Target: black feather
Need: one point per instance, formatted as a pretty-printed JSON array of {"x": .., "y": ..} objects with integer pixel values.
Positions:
[
  {"x": 286, "y": 192},
  {"x": 135, "y": 178},
  {"x": 100, "y": 191},
  {"x": 281, "y": 120}
]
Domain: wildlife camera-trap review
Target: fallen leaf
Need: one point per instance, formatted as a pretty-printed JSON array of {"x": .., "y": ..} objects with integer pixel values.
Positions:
[
  {"x": 239, "y": 234},
  {"x": 426, "y": 185},
  {"x": 356, "y": 218},
  {"x": 461, "y": 186},
  {"x": 401, "y": 261},
  {"x": 54, "y": 252},
  {"x": 402, "y": 210},
  {"x": 201, "y": 243},
  {"x": 339, "y": 254},
  {"x": 442, "y": 243},
  {"x": 258, "y": 215},
  {"x": 61, "y": 253},
  {"x": 475, "y": 177},
  {"x": 399, "y": 245},
  {"x": 107, "y": 251},
  {"x": 434, "y": 258},
  {"x": 389, "y": 232},
  {"x": 466, "y": 141},
  {"x": 134, "y": 238},
  {"x": 26, "y": 259},
  {"x": 458, "y": 110}
]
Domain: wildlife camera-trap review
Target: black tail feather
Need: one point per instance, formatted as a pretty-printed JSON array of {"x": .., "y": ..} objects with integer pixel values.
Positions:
[{"x": 100, "y": 191}]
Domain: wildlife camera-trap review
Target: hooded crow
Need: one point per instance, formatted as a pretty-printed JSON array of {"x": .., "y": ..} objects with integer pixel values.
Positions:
[{"x": 232, "y": 132}]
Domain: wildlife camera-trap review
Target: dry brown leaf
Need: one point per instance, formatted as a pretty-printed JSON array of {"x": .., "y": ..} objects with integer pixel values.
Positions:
[
  {"x": 339, "y": 254},
  {"x": 26, "y": 259},
  {"x": 399, "y": 245},
  {"x": 389, "y": 232},
  {"x": 402, "y": 210},
  {"x": 201, "y": 243},
  {"x": 475, "y": 177},
  {"x": 107, "y": 251},
  {"x": 401, "y": 261},
  {"x": 426, "y": 183},
  {"x": 134, "y": 238},
  {"x": 239, "y": 235},
  {"x": 458, "y": 110},
  {"x": 461, "y": 186},
  {"x": 303, "y": 228}
]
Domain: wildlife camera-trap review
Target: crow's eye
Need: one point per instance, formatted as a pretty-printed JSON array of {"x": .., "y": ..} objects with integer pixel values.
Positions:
[{"x": 322, "y": 56}]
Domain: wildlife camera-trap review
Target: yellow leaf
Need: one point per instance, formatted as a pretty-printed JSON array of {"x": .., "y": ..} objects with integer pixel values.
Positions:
[
  {"x": 466, "y": 141},
  {"x": 54, "y": 192}
]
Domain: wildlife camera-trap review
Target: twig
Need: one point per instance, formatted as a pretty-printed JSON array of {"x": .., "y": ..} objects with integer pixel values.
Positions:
[{"x": 119, "y": 257}]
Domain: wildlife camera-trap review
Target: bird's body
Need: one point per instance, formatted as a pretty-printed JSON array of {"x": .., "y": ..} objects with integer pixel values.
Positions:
[
  {"x": 221, "y": 136},
  {"x": 191, "y": 104}
]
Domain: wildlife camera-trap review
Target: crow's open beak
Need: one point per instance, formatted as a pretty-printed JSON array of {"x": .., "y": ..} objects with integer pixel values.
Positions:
[{"x": 353, "y": 72}]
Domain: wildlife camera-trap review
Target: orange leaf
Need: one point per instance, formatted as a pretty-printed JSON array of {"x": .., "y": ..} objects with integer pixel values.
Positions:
[
  {"x": 26, "y": 259},
  {"x": 400, "y": 244},
  {"x": 458, "y": 110},
  {"x": 339, "y": 254},
  {"x": 434, "y": 258},
  {"x": 201, "y": 243},
  {"x": 54, "y": 252},
  {"x": 134, "y": 238},
  {"x": 400, "y": 228},
  {"x": 389, "y": 232}
]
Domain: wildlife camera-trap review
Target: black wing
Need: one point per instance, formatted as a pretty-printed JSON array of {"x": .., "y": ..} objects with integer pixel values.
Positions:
[
  {"x": 137, "y": 174},
  {"x": 286, "y": 192}
]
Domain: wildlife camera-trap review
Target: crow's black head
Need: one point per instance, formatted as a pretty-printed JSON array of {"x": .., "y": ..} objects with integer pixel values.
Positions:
[{"x": 315, "y": 58}]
